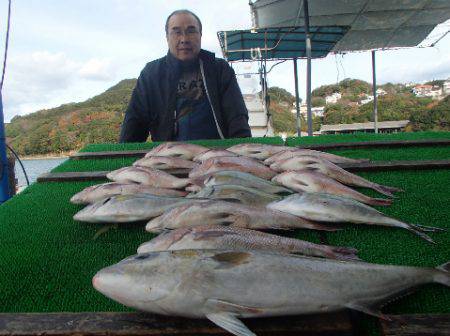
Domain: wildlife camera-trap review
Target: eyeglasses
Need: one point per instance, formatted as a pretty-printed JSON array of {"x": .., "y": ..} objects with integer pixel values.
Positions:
[{"x": 190, "y": 32}]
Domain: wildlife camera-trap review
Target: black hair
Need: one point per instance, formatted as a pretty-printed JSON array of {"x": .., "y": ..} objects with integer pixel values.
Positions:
[{"x": 182, "y": 11}]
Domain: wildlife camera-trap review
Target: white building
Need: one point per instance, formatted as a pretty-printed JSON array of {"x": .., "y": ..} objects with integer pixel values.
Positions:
[
  {"x": 426, "y": 90},
  {"x": 446, "y": 87},
  {"x": 258, "y": 121},
  {"x": 381, "y": 92},
  {"x": 333, "y": 99},
  {"x": 368, "y": 99},
  {"x": 315, "y": 111}
]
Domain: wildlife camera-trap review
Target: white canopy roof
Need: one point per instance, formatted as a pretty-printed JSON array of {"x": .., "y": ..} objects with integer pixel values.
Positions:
[{"x": 374, "y": 24}]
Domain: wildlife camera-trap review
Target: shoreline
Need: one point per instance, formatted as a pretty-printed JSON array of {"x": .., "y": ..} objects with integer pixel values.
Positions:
[{"x": 46, "y": 156}]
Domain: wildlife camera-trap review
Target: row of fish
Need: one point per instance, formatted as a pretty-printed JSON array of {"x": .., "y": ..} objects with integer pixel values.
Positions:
[{"x": 209, "y": 262}]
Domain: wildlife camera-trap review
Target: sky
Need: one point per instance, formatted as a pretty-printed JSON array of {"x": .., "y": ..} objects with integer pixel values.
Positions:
[{"x": 71, "y": 50}]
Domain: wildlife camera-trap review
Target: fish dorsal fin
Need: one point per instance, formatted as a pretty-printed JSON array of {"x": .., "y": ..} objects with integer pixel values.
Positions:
[
  {"x": 231, "y": 259},
  {"x": 230, "y": 323},
  {"x": 364, "y": 308}
]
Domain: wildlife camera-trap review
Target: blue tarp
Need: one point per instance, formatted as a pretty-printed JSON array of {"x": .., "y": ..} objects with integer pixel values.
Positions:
[{"x": 280, "y": 43}]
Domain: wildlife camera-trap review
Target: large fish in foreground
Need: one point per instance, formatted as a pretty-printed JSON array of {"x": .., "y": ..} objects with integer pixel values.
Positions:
[
  {"x": 331, "y": 208},
  {"x": 295, "y": 152},
  {"x": 217, "y": 212},
  {"x": 226, "y": 237},
  {"x": 311, "y": 181},
  {"x": 149, "y": 176},
  {"x": 228, "y": 177},
  {"x": 130, "y": 208},
  {"x": 177, "y": 149},
  {"x": 238, "y": 163},
  {"x": 224, "y": 286},
  {"x": 330, "y": 169},
  {"x": 99, "y": 192}
]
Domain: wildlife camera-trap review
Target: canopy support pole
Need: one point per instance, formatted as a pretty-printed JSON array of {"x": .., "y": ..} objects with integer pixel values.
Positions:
[
  {"x": 4, "y": 176},
  {"x": 308, "y": 67},
  {"x": 297, "y": 99},
  {"x": 375, "y": 98}
]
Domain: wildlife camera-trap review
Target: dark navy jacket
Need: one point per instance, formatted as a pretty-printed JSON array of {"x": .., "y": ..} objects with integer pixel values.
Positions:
[{"x": 153, "y": 102}]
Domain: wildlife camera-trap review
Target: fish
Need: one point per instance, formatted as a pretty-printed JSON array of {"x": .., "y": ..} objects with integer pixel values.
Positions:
[
  {"x": 216, "y": 212},
  {"x": 228, "y": 237},
  {"x": 330, "y": 169},
  {"x": 165, "y": 162},
  {"x": 295, "y": 152},
  {"x": 256, "y": 150},
  {"x": 148, "y": 176},
  {"x": 332, "y": 208},
  {"x": 177, "y": 149},
  {"x": 311, "y": 181},
  {"x": 99, "y": 192},
  {"x": 227, "y": 285},
  {"x": 245, "y": 180},
  {"x": 244, "y": 195},
  {"x": 130, "y": 208},
  {"x": 212, "y": 153},
  {"x": 237, "y": 163}
]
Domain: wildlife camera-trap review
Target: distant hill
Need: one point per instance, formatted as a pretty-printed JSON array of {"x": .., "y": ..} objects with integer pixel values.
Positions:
[
  {"x": 98, "y": 119},
  {"x": 71, "y": 126}
]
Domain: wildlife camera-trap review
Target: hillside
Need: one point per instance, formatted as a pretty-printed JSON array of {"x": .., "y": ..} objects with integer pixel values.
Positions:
[
  {"x": 97, "y": 120},
  {"x": 71, "y": 126}
]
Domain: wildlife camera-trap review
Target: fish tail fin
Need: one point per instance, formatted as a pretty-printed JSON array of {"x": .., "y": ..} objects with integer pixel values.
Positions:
[
  {"x": 418, "y": 231},
  {"x": 424, "y": 228},
  {"x": 380, "y": 201},
  {"x": 442, "y": 275},
  {"x": 384, "y": 190},
  {"x": 342, "y": 253}
]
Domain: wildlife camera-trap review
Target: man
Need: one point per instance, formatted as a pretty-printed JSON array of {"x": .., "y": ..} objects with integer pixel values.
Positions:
[{"x": 186, "y": 95}]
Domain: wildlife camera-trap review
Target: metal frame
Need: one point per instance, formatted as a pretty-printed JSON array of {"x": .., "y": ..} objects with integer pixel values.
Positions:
[{"x": 4, "y": 174}]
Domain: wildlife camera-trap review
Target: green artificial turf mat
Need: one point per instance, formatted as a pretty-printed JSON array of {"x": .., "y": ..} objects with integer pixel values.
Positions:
[
  {"x": 207, "y": 143},
  {"x": 336, "y": 138},
  {"x": 94, "y": 165},
  {"x": 408, "y": 153},
  {"x": 48, "y": 260}
]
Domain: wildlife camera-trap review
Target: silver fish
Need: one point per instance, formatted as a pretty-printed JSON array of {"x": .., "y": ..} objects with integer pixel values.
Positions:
[
  {"x": 294, "y": 152},
  {"x": 227, "y": 237},
  {"x": 237, "y": 163},
  {"x": 130, "y": 208},
  {"x": 212, "y": 154},
  {"x": 217, "y": 212},
  {"x": 245, "y": 180},
  {"x": 244, "y": 195},
  {"x": 330, "y": 169},
  {"x": 178, "y": 149},
  {"x": 149, "y": 176},
  {"x": 224, "y": 285},
  {"x": 311, "y": 181},
  {"x": 256, "y": 150},
  {"x": 165, "y": 162},
  {"x": 99, "y": 192},
  {"x": 331, "y": 208}
]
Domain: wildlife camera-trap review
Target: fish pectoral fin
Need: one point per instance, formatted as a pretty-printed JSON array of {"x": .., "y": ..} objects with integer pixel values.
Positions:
[
  {"x": 362, "y": 307},
  {"x": 231, "y": 308},
  {"x": 230, "y": 323}
]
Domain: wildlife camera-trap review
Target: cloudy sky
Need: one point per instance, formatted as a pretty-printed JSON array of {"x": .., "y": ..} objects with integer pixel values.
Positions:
[{"x": 68, "y": 51}]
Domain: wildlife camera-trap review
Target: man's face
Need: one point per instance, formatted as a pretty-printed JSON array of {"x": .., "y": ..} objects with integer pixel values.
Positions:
[{"x": 184, "y": 37}]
